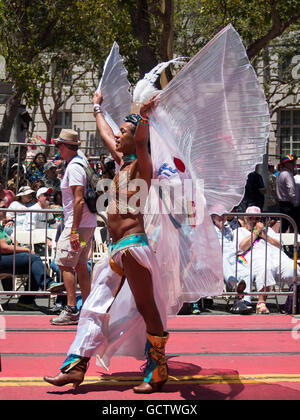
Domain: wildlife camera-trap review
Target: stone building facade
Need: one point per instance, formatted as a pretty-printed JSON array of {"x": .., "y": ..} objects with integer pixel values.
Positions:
[{"x": 77, "y": 113}]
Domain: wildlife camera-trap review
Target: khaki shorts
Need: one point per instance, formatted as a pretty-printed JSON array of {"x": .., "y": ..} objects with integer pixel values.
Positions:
[{"x": 66, "y": 256}]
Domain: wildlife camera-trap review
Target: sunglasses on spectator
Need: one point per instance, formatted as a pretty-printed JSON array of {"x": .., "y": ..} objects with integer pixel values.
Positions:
[{"x": 47, "y": 195}]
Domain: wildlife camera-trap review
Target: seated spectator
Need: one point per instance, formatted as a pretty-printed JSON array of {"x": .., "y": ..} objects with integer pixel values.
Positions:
[
  {"x": 98, "y": 169},
  {"x": 16, "y": 178},
  {"x": 57, "y": 200},
  {"x": 7, "y": 196},
  {"x": 236, "y": 273},
  {"x": 19, "y": 158},
  {"x": 50, "y": 179},
  {"x": 57, "y": 204},
  {"x": 35, "y": 169},
  {"x": 23, "y": 263},
  {"x": 2, "y": 165},
  {"x": 37, "y": 220},
  {"x": 37, "y": 184},
  {"x": 266, "y": 254},
  {"x": 236, "y": 221},
  {"x": 24, "y": 200}
]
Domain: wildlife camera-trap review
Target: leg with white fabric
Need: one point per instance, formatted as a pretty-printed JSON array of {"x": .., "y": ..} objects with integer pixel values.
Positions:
[
  {"x": 140, "y": 281},
  {"x": 111, "y": 324},
  {"x": 92, "y": 330},
  {"x": 264, "y": 278},
  {"x": 285, "y": 270}
]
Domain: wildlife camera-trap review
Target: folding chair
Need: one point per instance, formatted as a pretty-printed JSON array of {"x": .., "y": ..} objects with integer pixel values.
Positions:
[
  {"x": 100, "y": 246},
  {"x": 4, "y": 276}
]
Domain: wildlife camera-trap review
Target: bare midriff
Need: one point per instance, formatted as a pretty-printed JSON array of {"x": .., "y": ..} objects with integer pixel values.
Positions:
[{"x": 121, "y": 225}]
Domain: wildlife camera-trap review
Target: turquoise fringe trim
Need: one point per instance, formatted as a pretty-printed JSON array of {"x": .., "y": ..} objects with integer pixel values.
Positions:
[
  {"x": 70, "y": 359},
  {"x": 150, "y": 364},
  {"x": 127, "y": 242},
  {"x": 129, "y": 158}
]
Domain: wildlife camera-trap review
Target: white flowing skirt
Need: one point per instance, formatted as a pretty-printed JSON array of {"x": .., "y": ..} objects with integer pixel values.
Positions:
[{"x": 110, "y": 324}]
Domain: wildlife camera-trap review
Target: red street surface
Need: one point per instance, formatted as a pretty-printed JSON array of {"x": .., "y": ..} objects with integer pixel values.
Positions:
[{"x": 209, "y": 357}]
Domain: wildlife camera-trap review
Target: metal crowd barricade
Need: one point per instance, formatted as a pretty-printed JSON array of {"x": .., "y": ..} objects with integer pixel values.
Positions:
[
  {"x": 28, "y": 239},
  {"x": 44, "y": 235},
  {"x": 295, "y": 245}
]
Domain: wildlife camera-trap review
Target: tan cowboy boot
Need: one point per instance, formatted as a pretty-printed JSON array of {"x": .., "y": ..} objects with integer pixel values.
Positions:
[
  {"x": 71, "y": 373},
  {"x": 156, "y": 371}
]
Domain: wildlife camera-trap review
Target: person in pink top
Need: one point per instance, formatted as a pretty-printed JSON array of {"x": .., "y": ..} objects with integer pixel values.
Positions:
[{"x": 7, "y": 196}]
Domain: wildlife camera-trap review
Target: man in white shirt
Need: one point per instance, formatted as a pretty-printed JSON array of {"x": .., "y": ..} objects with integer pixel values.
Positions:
[
  {"x": 37, "y": 220},
  {"x": 75, "y": 242}
]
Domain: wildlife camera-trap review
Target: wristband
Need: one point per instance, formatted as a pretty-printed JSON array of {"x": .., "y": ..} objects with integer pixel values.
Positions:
[
  {"x": 74, "y": 232},
  {"x": 255, "y": 231},
  {"x": 99, "y": 111},
  {"x": 97, "y": 107},
  {"x": 143, "y": 119},
  {"x": 144, "y": 122}
]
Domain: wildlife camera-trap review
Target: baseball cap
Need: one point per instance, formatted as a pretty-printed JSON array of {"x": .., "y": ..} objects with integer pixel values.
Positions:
[
  {"x": 43, "y": 190},
  {"x": 48, "y": 166}
]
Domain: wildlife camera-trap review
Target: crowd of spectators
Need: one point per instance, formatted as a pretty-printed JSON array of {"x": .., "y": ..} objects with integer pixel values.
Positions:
[
  {"x": 280, "y": 194},
  {"x": 33, "y": 181},
  {"x": 35, "y": 184}
]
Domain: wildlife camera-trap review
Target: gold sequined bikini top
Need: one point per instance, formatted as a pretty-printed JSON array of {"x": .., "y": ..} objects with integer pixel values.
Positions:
[{"x": 119, "y": 195}]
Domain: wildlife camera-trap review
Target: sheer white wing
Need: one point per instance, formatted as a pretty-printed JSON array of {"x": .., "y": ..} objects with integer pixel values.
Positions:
[
  {"x": 210, "y": 126},
  {"x": 215, "y": 114},
  {"x": 115, "y": 89},
  {"x": 180, "y": 229}
]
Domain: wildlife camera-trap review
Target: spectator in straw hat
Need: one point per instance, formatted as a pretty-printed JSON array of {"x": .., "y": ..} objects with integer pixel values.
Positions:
[{"x": 75, "y": 242}]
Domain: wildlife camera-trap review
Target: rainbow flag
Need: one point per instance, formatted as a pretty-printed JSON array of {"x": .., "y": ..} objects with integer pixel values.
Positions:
[{"x": 242, "y": 260}]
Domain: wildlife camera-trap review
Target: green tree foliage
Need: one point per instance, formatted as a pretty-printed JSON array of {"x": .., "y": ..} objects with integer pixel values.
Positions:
[
  {"x": 38, "y": 34},
  {"x": 257, "y": 21}
]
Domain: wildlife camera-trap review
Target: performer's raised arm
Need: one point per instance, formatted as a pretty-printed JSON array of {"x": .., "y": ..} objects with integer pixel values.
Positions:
[
  {"x": 141, "y": 139},
  {"x": 106, "y": 132}
]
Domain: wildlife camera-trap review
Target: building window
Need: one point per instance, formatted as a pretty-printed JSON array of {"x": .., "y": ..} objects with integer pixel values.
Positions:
[
  {"x": 289, "y": 127},
  {"x": 63, "y": 120}
]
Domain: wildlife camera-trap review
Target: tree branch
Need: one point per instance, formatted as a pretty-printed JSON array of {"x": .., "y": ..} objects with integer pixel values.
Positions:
[{"x": 277, "y": 29}]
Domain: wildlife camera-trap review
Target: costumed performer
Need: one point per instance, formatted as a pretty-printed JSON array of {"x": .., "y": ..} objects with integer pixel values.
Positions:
[{"x": 127, "y": 302}]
